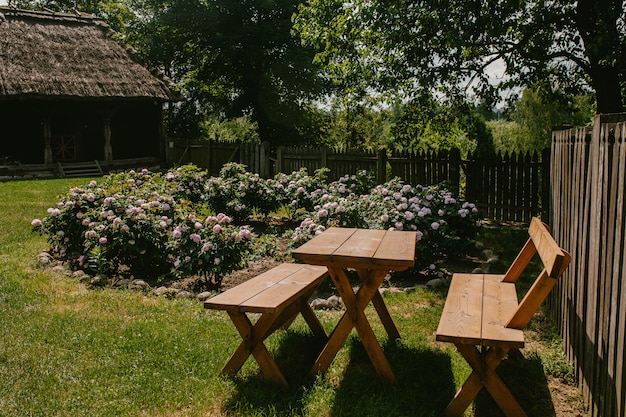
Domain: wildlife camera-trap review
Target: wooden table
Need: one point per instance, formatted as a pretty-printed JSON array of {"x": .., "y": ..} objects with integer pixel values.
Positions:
[{"x": 372, "y": 253}]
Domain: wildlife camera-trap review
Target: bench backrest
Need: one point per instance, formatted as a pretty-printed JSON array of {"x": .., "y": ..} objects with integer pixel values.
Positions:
[{"x": 555, "y": 260}]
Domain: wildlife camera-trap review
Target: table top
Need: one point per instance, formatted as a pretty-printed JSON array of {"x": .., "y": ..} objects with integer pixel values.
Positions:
[{"x": 360, "y": 248}]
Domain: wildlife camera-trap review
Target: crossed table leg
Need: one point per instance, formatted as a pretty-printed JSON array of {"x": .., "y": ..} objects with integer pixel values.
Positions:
[
  {"x": 254, "y": 335},
  {"x": 354, "y": 317},
  {"x": 483, "y": 363}
]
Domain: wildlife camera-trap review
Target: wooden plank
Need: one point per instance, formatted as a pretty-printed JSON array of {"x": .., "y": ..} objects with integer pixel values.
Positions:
[
  {"x": 499, "y": 304},
  {"x": 396, "y": 250},
  {"x": 619, "y": 297},
  {"x": 532, "y": 301},
  {"x": 461, "y": 319},
  {"x": 359, "y": 248},
  {"x": 285, "y": 291},
  {"x": 551, "y": 254},
  {"x": 321, "y": 247},
  {"x": 234, "y": 298},
  {"x": 520, "y": 262}
]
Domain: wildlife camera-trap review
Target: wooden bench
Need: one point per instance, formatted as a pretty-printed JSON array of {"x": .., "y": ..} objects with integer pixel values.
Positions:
[
  {"x": 278, "y": 295},
  {"x": 482, "y": 310}
]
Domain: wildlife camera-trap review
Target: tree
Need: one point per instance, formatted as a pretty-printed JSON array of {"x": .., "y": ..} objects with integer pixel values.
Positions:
[
  {"x": 424, "y": 123},
  {"x": 451, "y": 46},
  {"x": 534, "y": 116},
  {"x": 234, "y": 58}
]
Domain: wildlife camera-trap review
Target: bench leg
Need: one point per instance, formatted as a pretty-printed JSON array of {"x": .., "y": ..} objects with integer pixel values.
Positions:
[
  {"x": 253, "y": 337},
  {"x": 354, "y": 317},
  {"x": 312, "y": 320},
  {"x": 483, "y": 364}
]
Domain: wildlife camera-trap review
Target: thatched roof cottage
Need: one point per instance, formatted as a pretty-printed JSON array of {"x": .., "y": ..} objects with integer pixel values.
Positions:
[{"x": 68, "y": 92}]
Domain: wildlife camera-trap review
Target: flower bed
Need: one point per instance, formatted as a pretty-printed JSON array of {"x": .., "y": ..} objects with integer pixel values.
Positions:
[{"x": 180, "y": 223}]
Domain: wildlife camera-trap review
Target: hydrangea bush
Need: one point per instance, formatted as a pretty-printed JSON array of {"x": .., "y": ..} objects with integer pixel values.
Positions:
[
  {"x": 183, "y": 222},
  {"x": 143, "y": 224}
]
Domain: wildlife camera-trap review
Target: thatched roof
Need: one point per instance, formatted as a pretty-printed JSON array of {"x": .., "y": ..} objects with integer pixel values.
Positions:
[{"x": 57, "y": 55}]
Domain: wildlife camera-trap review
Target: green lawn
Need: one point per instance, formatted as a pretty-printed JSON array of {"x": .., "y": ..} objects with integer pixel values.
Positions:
[{"x": 66, "y": 350}]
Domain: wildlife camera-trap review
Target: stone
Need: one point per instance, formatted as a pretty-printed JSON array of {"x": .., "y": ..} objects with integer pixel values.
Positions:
[
  {"x": 204, "y": 295},
  {"x": 80, "y": 274},
  {"x": 44, "y": 259},
  {"x": 98, "y": 281},
  {"x": 122, "y": 283},
  {"x": 139, "y": 284},
  {"x": 435, "y": 283},
  {"x": 161, "y": 291},
  {"x": 184, "y": 294}
]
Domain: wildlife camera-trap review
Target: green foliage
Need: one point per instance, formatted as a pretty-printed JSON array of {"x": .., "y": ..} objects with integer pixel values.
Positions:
[
  {"x": 233, "y": 58},
  {"x": 425, "y": 124},
  {"x": 534, "y": 116},
  {"x": 238, "y": 192},
  {"x": 452, "y": 46},
  {"x": 444, "y": 225},
  {"x": 238, "y": 129}
]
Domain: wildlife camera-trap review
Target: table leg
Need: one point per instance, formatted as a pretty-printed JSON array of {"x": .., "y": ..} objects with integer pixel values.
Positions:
[
  {"x": 355, "y": 317},
  {"x": 381, "y": 309}
]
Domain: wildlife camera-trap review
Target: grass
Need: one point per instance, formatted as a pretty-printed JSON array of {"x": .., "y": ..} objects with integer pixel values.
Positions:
[{"x": 66, "y": 350}]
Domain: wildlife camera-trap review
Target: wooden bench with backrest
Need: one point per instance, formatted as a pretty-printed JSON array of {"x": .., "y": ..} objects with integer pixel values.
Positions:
[
  {"x": 484, "y": 320},
  {"x": 278, "y": 295}
]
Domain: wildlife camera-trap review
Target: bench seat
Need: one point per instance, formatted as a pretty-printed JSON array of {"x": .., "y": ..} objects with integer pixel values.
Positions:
[
  {"x": 477, "y": 309},
  {"x": 271, "y": 291}
]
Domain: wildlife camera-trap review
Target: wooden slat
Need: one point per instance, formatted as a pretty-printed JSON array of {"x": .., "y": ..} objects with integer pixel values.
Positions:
[
  {"x": 323, "y": 246},
  {"x": 499, "y": 303},
  {"x": 551, "y": 254},
  {"x": 461, "y": 320},
  {"x": 285, "y": 291},
  {"x": 397, "y": 249},
  {"x": 359, "y": 248}
]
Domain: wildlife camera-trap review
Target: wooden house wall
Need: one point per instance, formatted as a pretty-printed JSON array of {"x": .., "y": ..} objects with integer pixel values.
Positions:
[{"x": 77, "y": 130}]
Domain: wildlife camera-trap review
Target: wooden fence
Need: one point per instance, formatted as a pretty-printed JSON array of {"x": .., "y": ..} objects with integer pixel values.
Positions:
[
  {"x": 588, "y": 219},
  {"x": 508, "y": 187}
]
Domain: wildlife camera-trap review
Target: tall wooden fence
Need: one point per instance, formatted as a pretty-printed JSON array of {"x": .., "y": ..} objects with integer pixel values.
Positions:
[
  {"x": 510, "y": 187},
  {"x": 589, "y": 220}
]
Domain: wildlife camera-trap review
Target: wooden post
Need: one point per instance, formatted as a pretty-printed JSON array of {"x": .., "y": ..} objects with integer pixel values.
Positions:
[
  {"x": 381, "y": 166},
  {"x": 108, "y": 150},
  {"x": 455, "y": 170},
  {"x": 265, "y": 168},
  {"x": 47, "y": 139},
  {"x": 546, "y": 192},
  {"x": 279, "y": 159}
]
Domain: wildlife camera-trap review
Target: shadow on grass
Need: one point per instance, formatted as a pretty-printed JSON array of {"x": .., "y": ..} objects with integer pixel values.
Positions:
[
  {"x": 527, "y": 381},
  {"x": 424, "y": 382}
]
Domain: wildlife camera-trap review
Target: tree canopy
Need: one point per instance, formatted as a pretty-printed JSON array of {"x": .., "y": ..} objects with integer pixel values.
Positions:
[
  {"x": 451, "y": 46},
  {"x": 235, "y": 58}
]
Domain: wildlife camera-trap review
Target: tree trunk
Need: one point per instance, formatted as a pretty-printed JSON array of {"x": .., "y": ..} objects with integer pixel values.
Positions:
[{"x": 597, "y": 24}]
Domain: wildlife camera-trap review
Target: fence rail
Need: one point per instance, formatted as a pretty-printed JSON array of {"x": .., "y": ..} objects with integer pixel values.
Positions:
[
  {"x": 588, "y": 217},
  {"x": 510, "y": 187}
]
